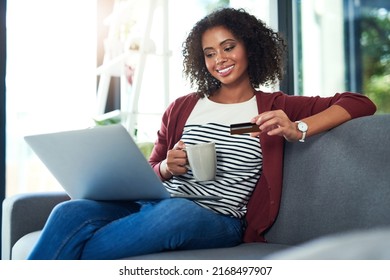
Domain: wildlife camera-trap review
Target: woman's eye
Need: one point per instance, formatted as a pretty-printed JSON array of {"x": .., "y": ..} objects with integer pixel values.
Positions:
[
  {"x": 229, "y": 48},
  {"x": 208, "y": 55}
]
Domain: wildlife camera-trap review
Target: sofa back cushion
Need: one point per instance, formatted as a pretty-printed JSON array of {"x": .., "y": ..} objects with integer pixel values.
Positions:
[{"x": 336, "y": 181}]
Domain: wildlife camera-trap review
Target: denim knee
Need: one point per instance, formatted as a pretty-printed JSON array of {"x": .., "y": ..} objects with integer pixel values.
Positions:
[{"x": 73, "y": 207}]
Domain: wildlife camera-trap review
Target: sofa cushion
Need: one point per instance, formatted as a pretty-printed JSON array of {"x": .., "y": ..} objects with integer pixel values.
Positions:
[
  {"x": 371, "y": 244},
  {"x": 245, "y": 251}
]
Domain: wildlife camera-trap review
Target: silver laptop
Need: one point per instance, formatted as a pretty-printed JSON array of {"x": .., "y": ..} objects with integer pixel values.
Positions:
[{"x": 100, "y": 163}]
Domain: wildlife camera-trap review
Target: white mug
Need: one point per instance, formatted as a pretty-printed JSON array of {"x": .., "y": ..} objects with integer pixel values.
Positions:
[{"x": 202, "y": 160}]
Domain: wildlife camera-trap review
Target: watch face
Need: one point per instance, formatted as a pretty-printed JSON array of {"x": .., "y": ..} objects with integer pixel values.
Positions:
[{"x": 302, "y": 126}]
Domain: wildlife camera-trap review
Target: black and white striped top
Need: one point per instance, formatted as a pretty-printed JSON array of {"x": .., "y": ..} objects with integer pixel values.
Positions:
[{"x": 239, "y": 157}]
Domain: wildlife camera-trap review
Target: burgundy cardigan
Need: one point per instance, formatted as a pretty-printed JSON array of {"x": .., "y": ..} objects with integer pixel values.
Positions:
[{"x": 264, "y": 203}]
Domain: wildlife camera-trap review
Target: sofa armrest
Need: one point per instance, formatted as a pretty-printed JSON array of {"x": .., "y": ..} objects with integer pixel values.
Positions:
[{"x": 25, "y": 213}]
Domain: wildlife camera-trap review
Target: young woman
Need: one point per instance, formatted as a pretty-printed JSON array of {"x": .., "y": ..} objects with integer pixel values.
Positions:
[{"x": 227, "y": 55}]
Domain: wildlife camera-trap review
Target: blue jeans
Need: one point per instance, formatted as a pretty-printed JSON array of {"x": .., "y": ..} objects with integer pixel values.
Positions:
[{"x": 86, "y": 229}]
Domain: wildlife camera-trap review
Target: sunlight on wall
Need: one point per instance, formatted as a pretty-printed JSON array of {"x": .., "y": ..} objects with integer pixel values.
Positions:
[{"x": 51, "y": 81}]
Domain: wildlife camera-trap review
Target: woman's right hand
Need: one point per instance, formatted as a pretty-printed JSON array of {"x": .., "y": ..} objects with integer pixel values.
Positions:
[{"x": 175, "y": 162}]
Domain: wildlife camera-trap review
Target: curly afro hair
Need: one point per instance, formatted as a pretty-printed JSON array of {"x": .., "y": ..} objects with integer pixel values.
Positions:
[{"x": 265, "y": 49}]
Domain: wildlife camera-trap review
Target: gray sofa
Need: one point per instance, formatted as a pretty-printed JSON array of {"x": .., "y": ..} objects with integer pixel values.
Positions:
[{"x": 335, "y": 183}]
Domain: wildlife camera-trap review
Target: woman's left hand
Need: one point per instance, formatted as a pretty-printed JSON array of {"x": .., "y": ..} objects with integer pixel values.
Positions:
[{"x": 276, "y": 123}]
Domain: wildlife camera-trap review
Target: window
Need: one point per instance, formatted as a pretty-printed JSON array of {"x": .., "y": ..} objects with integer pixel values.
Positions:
[
  {"x": 373, "y": 31},
  {"x": 343, "y": 45}
]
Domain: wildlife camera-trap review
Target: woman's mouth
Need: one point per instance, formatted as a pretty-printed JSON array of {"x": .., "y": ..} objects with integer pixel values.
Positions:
[{"x": 225, "y": 71}]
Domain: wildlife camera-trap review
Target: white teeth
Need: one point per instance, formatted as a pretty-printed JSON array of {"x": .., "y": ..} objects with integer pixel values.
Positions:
[{"x": 222, "y": 71}]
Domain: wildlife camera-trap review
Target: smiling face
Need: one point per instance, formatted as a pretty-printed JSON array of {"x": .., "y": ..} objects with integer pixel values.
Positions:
[{"x": 225, "y": 56}]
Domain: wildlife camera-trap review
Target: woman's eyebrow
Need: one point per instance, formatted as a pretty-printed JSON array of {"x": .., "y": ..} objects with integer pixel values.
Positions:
[{"x": 227, "y": 41}]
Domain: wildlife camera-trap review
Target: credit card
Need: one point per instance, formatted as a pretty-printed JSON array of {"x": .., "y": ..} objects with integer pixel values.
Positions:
[{"x": 240, "y": 128}]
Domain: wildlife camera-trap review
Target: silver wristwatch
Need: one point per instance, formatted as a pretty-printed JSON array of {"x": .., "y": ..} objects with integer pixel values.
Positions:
[{"x": 302, "y": 127}]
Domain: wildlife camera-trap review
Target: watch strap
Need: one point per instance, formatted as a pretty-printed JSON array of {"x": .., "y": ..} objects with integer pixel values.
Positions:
[{"x": 303, "y": 136}]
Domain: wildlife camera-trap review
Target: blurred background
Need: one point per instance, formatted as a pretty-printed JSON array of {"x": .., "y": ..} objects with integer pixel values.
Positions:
[{"x": 73, "y": 64}]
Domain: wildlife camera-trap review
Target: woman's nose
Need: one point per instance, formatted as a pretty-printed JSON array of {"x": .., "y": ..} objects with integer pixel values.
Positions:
[{"x": 220, "y": 59}]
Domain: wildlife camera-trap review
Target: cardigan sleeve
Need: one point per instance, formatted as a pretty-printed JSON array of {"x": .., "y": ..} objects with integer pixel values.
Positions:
[
  {"x": 298, "y": 107},
  {"x": 160, "y": 148}
]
